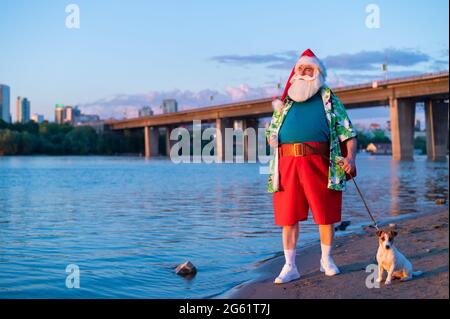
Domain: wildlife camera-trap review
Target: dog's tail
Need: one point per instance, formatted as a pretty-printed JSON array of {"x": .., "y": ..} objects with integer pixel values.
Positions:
[{"x": 417, "y": 273}]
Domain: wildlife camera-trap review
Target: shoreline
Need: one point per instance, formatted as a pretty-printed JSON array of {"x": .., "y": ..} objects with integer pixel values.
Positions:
[{"x": 423, "y": 239}]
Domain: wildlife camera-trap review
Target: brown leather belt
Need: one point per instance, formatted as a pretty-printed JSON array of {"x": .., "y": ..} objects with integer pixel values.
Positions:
[{"x": 303, "y": 149}]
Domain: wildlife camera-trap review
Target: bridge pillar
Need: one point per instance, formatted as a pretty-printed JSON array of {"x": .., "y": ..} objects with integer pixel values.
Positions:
[
  {"x": 250, "y": 139},
  {"x": 168, "y": 141},
  {"x": 436, "y": 118},
  {"x": 403, "y": 113},
  {"x": 221, "y": 124},
  {"x": 151, "y": 135}
]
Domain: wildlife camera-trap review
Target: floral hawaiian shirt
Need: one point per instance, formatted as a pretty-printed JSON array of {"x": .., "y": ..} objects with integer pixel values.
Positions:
[{"x": 341, "y": 129}]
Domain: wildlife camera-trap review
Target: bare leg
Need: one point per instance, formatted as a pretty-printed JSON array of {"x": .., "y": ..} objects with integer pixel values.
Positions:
[
  {"x": 290, "y": 236},
  {"x": 326, "y": 234}
]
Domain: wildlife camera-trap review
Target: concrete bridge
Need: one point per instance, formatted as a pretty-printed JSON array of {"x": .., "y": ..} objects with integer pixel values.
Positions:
[{"x": 400, "y": 94}]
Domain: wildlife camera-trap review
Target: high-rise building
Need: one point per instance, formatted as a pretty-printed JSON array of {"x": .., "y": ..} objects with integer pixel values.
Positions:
[
  {"x": 145, "y": 111},
  {"x": 22, "y": 110},
  {"x": 59, "y": 113},
  {"x": 68, "y": 114},
  {"x": 4, "y": 103},
  {"x": 19, "y": 110},
  {"x": 38, "y": 118},
  {"x": 169, "y": 106},
  {"x": 73, "y": 115},
  {"x": 76, "y": 112}
]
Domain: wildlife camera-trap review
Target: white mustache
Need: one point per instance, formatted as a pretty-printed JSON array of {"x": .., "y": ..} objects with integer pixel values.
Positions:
[{"x": 302, "y": 77}]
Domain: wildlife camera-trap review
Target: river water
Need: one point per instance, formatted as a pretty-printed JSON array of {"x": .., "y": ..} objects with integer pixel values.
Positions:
[{"x": 126, "y": 222}]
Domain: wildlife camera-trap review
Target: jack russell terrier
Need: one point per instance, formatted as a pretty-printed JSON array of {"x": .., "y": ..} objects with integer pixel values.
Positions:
[{"x": 392, "y": 260}]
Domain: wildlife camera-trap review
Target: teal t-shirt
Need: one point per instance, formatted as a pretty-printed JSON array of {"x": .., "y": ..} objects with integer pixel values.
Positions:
[{"x": 305, "y": 122}]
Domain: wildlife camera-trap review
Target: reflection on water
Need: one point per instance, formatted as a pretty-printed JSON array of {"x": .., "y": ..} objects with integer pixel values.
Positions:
[
  {"x": 413, "y": 185},
  {"x": 127, "y": 222}
]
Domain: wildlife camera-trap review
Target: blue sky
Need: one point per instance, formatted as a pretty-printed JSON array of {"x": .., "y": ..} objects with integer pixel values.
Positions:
[{"x": 127, "y": 54}]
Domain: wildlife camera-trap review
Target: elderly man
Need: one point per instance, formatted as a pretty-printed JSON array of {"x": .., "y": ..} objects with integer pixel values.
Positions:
[{"x": 315, "y": 150}]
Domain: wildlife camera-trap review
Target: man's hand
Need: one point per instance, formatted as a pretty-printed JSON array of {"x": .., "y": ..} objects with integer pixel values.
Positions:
[
  {"x": 348, "y": 164},
  {"x": 273, "y": 140}
]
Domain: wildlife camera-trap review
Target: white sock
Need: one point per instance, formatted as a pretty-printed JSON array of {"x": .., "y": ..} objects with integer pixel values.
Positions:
[
  {"x": 289, "y": 255},
  {"x": 326, "y": 252}
]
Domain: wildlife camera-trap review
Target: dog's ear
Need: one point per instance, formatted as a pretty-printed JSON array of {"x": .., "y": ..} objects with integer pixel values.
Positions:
[
  {"x": 393, "y": 233},
  {"x": 379, "y": 233}
]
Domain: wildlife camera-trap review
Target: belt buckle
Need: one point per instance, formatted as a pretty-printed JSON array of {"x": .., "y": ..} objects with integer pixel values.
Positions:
[{"x": 299, "y": 149}]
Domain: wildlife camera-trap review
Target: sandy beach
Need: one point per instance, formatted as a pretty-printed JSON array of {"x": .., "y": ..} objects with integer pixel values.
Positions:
[{"x": 423, "y": 239}]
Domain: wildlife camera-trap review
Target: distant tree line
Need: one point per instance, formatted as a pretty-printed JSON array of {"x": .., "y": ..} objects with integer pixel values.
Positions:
[
  {"x": 379, "y": 136},
  {"x": 374, "y": 136},
  {"x": 65, "y": 139}
]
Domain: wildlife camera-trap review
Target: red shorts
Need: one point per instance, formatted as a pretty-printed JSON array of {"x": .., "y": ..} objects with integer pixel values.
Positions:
[{"x": 303, "y": 185}]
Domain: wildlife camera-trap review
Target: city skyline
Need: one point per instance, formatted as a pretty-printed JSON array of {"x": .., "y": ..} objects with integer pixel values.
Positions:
[{"x": 126, "y": 57}]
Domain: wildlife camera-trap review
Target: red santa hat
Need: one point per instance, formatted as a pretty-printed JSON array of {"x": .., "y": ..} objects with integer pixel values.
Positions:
[{"x": 307, "y": 57}]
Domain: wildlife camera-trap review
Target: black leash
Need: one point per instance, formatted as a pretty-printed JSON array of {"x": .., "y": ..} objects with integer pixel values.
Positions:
[{"x": 364, "y": 201}]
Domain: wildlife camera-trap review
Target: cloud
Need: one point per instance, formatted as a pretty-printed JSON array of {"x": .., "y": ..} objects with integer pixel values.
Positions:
[
  {"x": 275, "y": 60},
  {"x": 363, "y": 60},
  {"x": 351, "y": 68},
  {"x": 337, "y": 79},
  {"x": 371, "y": 60},
  {"x": 127, "y": 105},
  {"x": 439, "y": 65}
]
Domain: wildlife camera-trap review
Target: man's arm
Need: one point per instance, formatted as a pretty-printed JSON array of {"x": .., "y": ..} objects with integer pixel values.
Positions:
[
  {"x": 346, "y": 133},
  {"x": 349, "y": 161},
  {"x": 272, "y": 137},
  {"x": 351, "y": 145}
]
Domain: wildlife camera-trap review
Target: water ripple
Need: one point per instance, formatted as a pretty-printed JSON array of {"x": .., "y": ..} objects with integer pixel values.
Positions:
[{"x": 127, "y": 222}]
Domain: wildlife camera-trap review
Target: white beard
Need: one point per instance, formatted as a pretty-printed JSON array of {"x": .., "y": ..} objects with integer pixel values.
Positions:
[{"x": 304, "y": 87}]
